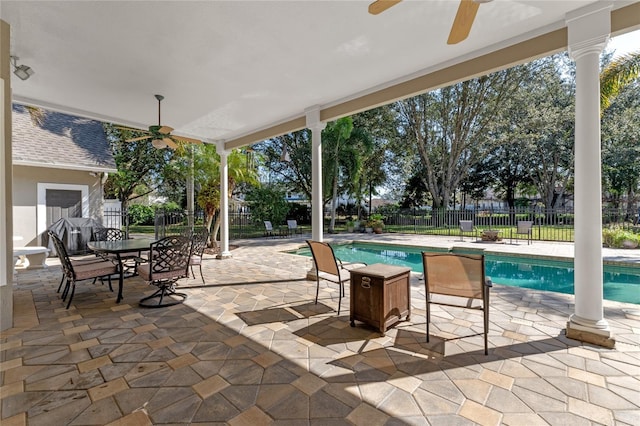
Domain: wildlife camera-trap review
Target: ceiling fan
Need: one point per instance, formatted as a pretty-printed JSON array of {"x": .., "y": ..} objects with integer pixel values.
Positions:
[
  {"x": 461, "y": 24},
  {"x": 160, "y": 135}
]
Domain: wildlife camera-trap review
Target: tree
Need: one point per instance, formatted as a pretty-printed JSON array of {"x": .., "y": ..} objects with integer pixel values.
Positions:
[
  {"x": 294, "y": 175},
  {"x": 267, "y": 203},
  {"x": 544, "y": 128},
  {"x": 345, "y": 147},
  {"x": 207, "y": 175},
  {"x": 140, "y": 165},
  {"x": 617, "y": 75},
  {"x": 378, "y": 126},
  {"x": 621, "y": 148},
  {"x": 447, "y": 128}
]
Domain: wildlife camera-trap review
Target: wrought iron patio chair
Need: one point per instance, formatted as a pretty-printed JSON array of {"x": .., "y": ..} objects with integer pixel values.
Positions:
[
  {"x": 459, "y": 278},
  {"x": 168, "y": 262},
  {"x": 82, "y": 270},
  {"x": 76, "y": 260},
  {"x": 131, "y": 259},
  {"x": 199, "y": 240}
]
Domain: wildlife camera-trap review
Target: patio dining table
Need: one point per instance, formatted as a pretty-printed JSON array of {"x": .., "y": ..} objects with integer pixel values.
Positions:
[{"x": 118, "y": 248}]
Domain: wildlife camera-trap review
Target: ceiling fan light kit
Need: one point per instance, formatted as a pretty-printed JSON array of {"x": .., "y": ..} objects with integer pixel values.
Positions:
[
  {"x": 461, "y": 24},
  {"x": 158, "y": 143}
]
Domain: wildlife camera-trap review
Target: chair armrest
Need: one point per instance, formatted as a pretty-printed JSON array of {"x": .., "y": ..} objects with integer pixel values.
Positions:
[{"x": 353, "y": 265}]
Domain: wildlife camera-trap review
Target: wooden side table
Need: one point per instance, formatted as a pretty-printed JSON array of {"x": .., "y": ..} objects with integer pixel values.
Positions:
[{"x": 380, "y": 295}]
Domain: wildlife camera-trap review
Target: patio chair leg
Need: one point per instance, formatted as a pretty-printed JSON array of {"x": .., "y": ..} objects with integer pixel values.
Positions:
[
  {"x": 428, "y": 318},
  {"x": 65, "y": 290},
  {"x": 61, "y": 282},
  {"x": 73, "y": 290},
  {"x": 201, "y": 274},
  {"x": 163, "y": 290},
  {"x": 317, "y": 287}
]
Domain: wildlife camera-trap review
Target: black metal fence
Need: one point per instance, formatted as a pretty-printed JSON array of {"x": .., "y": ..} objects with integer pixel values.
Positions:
[
  {"x": 551, "y": 225},
  {"x": 548, "y": 224}
]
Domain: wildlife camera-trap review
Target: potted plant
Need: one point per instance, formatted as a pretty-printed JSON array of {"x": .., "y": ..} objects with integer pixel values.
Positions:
[
  {"x": 350, "y": 225},
  {"x": 376, "y": 223}
]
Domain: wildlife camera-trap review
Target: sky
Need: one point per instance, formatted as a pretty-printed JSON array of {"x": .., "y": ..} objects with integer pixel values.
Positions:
[{"x": 626, "y": 43}]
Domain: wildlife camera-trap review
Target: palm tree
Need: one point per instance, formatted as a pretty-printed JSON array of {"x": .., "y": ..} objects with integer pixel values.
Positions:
[
  {"x": 207, "y": 174},
  {"x": 614, "y": 77}
]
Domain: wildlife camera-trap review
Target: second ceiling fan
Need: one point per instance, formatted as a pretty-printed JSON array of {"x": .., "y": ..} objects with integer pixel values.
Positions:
[
  {"x": 461, "y": 24},
  {"x": 160, "y": 135}
]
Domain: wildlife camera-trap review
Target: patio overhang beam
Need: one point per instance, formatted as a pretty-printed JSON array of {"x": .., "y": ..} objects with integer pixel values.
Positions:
[{"x": 622, "y": 20}]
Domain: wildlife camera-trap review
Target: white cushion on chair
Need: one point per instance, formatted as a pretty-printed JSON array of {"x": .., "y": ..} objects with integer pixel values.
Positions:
[{"x": 96, "y": 269}]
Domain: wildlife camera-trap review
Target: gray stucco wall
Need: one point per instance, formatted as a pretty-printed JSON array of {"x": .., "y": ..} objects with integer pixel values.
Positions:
[{"x": 25, "y": 197}]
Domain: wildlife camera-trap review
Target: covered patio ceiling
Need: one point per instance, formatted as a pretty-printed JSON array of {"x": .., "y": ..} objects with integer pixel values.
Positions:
[{"x": 241, "y": 71}]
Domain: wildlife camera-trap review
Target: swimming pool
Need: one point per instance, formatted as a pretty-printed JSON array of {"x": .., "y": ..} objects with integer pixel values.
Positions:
[{"x": 621, "y": 283}]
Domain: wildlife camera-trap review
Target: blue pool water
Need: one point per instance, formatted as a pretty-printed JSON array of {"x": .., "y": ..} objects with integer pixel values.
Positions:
[{"x": 621, "y": 283}]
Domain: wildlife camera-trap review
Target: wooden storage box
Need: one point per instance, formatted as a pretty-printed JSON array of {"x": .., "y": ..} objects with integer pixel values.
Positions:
[{"x": 380, "y": 295}]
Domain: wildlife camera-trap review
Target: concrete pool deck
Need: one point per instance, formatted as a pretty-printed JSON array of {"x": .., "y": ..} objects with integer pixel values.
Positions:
[{"x": 250, "y": 348}]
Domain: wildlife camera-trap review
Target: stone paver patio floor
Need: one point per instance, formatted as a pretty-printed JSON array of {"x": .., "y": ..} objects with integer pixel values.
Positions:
[{"x": 251, "y": 348}]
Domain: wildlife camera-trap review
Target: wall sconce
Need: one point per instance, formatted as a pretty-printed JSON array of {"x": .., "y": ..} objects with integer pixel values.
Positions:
[{"x": 22, "y": 71}]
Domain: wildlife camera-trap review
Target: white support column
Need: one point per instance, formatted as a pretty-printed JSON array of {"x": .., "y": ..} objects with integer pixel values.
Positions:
[
  {"x": 224, "y": 202},
  {"x": 316, "y": 126},
  {"x": 589, "y": 31}
]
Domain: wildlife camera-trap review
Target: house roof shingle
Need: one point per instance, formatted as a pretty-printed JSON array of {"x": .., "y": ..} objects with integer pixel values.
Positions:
[{"x": 62, "y": 141}]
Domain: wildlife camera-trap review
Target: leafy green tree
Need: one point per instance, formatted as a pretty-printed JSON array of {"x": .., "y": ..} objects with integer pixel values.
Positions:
[
  {"x": 621, "y": 148},
  {"x": 344, "y": 149},
  {"x": 416, "y": 193},
  {"x": 543, "y": 129},
  {"x": 140, "y": 165},
  {"x": 207, "y": 176},
  {"x": 267, "y": 203},
  {"x": 295, "y": 174},
  {"x": 447, "y": 128},
  {"x": 619, "y": 73},
  {"x": 378, "y": 127}
]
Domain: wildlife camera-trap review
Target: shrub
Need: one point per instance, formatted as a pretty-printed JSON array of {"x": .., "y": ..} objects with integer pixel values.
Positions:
[
  {"x": 375, "y": 221},
  {"x": 616, "y": 238},
  {"x": 267, "y": 203},
  {"x": 141, "y": 215},
  {"x": 300, "y": 213}
]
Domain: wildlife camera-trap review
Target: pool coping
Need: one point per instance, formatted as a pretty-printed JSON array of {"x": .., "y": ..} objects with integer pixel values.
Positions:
[{"x": 622, "y": 263}]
